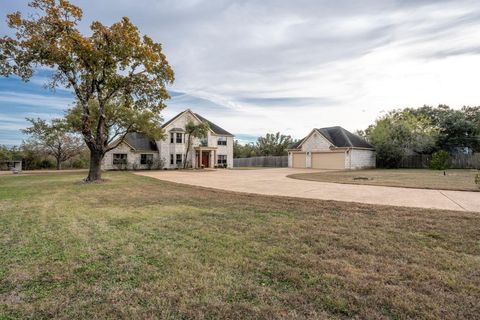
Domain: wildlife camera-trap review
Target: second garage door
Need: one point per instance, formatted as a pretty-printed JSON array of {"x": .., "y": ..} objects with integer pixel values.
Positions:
[
  {"x": 328, "y": 160},
  {"x": 299, "y": 160}
]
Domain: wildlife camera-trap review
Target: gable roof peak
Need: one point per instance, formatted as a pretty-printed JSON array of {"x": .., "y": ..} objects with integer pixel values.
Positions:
[
  {"x": 213, "y": 127},
  {"x": 338, "y": 137}
]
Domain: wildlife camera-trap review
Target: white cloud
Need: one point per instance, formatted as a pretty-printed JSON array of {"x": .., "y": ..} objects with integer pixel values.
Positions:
[
  {"x": 39, "y": 100},
  {"x": 280, "y": 65}
]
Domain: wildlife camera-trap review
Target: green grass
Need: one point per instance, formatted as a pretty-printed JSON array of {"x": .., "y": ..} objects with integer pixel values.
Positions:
[
  {"x": 455, "y": 179},
  {"x": 136, "y": 247}
]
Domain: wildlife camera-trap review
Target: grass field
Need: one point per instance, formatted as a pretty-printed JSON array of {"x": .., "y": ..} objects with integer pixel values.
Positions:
[
  {"x": 136, "y": 247},
  {"x": 455, "y": 179}
]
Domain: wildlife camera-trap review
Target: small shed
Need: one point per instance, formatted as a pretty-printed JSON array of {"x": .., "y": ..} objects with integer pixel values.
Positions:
[{"x": 11, "y": 164}]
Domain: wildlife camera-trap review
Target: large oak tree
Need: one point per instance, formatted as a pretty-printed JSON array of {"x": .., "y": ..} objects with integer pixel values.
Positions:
[{"x": 118, "y": 77}]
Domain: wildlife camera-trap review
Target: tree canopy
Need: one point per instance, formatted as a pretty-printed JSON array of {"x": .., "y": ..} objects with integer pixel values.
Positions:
[
  {"x": 423, "y": 131},
  {"x": 272, "y": 144},
  {"x": 54, "y": 138},
  {"x": 118, "y": 77}
]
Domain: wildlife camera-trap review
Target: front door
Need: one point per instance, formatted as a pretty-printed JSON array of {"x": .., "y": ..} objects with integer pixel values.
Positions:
[{"x": 206, "y": 159}]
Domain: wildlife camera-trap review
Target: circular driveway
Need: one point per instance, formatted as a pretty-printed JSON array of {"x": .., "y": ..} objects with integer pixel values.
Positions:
[{"x": 275, "y": 182}]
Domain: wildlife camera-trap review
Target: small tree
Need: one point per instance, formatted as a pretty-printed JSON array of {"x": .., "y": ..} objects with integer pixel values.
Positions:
[
  {"x": 193, "y": 130},
  {"x": 244, "y": 150},
  {"x": 55, "y": 139},
  {"x": 114, "y": 72},
  {"x": 273, "y": 144},
  {"x": 440, "y": 160}
]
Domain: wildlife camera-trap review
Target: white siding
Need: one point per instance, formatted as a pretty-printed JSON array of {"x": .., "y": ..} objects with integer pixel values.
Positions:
[
  {"x": 354, "y": 159},
  {"x": 133, "y": 158},
  {"x": 360, "y": 159},
  {"x": 316, "y": 142},
  {"x": 222, "y": 150},
  {"x": 166, "y": 148}
]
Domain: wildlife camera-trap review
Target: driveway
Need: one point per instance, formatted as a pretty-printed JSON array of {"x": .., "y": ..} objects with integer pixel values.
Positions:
[{"x": 275, "y": 182}]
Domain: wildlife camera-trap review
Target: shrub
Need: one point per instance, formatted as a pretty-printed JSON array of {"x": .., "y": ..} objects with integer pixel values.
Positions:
[
  {"x": 440, "y": 160},
  {"x": 46, "y": 164},
  {"x": 79, "y": 164},
  {"x": 389, "y": 155},
  {"x": 157, "y": 164},
  {"x": 477, "y": 179}
]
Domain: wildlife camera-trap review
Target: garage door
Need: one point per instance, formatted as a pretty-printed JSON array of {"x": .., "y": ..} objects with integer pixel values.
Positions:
[
  {"x": 331, "y": 160},
  {"x": 298, "y": 160}
]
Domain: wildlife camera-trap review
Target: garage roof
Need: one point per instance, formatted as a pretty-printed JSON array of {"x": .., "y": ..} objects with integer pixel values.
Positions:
[{"x": 339, "y": 137}]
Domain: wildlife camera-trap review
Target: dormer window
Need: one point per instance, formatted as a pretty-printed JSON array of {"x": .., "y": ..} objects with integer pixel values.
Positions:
[{"x": 222, "y": 141}]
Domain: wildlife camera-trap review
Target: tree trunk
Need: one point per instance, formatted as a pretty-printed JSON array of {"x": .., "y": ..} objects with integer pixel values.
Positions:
[
  {"x": 95, "y": 172},
  {"x": 58, "y": 164},
  {"x": 186, "y": 154}
]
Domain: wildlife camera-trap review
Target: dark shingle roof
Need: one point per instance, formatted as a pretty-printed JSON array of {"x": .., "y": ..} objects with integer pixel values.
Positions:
[
  {"x": 295, "y": 145},
  {"x": 340, "y": 138},
  {"x": 139, "y": 141},
  {"x": 216, "y": 129},
  {"x": 177, "y": 130}
]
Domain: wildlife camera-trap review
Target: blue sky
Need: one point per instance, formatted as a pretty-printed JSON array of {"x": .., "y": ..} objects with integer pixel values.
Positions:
[{"x": 276, "y": 65}]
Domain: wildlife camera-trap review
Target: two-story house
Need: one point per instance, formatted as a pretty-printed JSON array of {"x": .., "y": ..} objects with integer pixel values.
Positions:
[{"x": 139, "y": 152}]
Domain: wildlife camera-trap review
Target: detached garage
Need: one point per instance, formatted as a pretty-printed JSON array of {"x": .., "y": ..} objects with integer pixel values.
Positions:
[{"x": 331, "y": 148}]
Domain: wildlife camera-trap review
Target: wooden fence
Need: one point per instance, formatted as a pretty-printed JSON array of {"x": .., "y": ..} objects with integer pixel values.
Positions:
[
  {"x": 268, "y": 161},
  {"x": 459, "y": 161}
]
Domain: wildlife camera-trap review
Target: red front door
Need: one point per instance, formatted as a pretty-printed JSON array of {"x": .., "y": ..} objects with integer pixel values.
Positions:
[{"x": 206, "y": 159}]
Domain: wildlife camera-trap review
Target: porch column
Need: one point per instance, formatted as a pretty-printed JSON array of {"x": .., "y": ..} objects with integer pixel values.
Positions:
[{"x": 200, "y": 157}]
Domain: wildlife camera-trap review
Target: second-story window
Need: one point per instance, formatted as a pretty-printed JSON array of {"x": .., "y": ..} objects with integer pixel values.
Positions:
[
  {"x": 172, "y": 137},
  {"x": 179, "y": 138},
  {"x": 222, "y": 141}
]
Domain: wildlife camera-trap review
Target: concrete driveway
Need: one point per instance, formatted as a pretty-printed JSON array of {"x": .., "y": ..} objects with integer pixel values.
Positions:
[{"x": 275, "y": 182}]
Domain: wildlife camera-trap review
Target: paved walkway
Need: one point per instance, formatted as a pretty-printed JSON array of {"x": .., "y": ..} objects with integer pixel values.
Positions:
[{"x": 275, "y": 182}]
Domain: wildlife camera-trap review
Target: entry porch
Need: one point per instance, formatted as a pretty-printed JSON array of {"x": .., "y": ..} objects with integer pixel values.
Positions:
[{"x": 205, "y": 157}]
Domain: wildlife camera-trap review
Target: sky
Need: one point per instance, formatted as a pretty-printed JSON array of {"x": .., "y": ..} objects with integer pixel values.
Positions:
[{"x": 254, "y": 67}]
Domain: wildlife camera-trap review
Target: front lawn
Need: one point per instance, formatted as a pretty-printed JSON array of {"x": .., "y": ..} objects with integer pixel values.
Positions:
[
  {"x": 455, "y": 179},
  {"x": 136, "y": 247}
]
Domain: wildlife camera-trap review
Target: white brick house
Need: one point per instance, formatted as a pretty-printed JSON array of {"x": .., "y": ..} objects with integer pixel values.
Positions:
[
  {"x": 331, "y": 148},
  {"x": 137, "y": 151}
]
